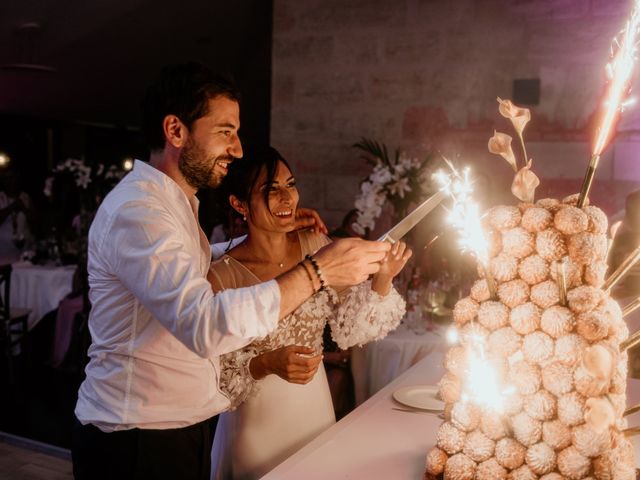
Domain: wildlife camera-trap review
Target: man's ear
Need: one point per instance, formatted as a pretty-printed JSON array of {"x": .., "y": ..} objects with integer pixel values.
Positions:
[
  {"x": 175, "y": 132},
  {"x": 238, "y": 205}
]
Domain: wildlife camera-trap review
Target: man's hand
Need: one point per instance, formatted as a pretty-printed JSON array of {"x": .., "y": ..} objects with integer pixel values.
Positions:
[
  {"x": 309, "y": 218},
  {"x": 293, "y": 363},
  {"x": 350, "y": 261},
  {"x": 345, "y": 262}
]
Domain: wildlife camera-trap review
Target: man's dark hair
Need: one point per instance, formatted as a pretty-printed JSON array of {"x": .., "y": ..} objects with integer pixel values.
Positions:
[
  {"x": 184, "y": 91},
  {"x": 241, "y": 180}
]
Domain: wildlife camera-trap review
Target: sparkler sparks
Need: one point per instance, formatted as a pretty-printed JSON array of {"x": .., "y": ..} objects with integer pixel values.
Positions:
[
  {"x": 465, "y": 216},
  {"x": 619, "y": 70},
  {"x": 482, "y": 384}
]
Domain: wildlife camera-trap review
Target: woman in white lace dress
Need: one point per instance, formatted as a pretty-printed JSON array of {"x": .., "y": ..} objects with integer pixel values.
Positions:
[{"x": 277, "y": 385}]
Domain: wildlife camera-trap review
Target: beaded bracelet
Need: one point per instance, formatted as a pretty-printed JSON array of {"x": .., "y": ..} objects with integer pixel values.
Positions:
[
  {"x": 303, "y": 264},
  {"x": 316, "y": 268}
]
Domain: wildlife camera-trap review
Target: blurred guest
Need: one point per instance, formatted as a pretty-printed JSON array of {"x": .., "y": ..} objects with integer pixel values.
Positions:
[
  {"x": 624, "y": 242},
  {"x": 59, "y": 227},
  {"x": 626, "y": 239},
  {"x": 15, "y": 217}
]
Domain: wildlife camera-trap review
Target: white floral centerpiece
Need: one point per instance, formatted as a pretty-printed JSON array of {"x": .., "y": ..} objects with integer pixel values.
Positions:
[
  {"x": 68, "y": 236},
  {"x": 100, "y": 178},
  {"x": 401, "y": 181}
]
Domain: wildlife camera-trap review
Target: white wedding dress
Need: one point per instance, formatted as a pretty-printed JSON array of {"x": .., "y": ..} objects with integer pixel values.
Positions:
[{"x": 274, "y": 418}]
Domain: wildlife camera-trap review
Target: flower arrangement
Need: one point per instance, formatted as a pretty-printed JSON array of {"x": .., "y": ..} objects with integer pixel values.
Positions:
[
  {"x": 101, "y": 179},
  {"x": 74, "y": 190},
  {"x": 400, "y": 180}
]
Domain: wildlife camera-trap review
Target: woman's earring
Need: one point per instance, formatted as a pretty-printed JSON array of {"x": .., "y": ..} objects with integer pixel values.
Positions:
[{"x": 244, "y": 217}]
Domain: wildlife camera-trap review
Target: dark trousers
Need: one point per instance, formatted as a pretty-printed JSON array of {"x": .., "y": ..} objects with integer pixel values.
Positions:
[{"x": 141, "y": 454}]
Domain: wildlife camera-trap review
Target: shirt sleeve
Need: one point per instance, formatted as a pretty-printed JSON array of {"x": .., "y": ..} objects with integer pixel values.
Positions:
[
  {"x": 149, "y": 255},
  {"x": 236, "y": 381},
  {"x": 363, "y": 315}
]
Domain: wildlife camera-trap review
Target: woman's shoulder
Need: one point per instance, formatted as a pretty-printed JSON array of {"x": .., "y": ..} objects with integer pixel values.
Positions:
[
  {"x": 226, "y": 272},
  {"x": 311, "y": 242}
]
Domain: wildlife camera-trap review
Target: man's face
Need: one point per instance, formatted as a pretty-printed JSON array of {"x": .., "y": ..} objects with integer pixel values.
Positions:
[{"x": 212, "y": 145}]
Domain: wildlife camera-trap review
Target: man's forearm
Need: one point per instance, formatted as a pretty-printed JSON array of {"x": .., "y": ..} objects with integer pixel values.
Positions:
[{"x": 296, "y": 286}]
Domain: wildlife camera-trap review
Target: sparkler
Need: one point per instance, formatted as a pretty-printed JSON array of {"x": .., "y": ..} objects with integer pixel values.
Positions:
[
  {"x": 622, "y": 270},
  {"x": 619, "y": 71},
  {"x": 632, "y": 307},
  {"x": 464, "y": 216},
  {"x": 631, "y": 410},
  {"x": 631, "y": 431},
  {"x": 630, "y": 342},
  {"x": 561, "y": 279}
]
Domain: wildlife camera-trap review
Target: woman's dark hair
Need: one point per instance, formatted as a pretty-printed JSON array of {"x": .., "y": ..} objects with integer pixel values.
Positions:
[
  {"x": 184, "y": 91},
  {"x": 349, "y": 218},
  {"x": 243, "y": 174}
]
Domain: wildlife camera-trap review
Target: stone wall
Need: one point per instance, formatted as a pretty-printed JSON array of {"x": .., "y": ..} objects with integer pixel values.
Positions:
[{"x": 424, "y": 75}]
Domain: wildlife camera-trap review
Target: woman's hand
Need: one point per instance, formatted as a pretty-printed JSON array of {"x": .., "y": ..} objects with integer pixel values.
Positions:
[
  {"x": 293, "y": 363},
  {"x": 309, "y": 218},
  {"x": 391, "y": 266}
]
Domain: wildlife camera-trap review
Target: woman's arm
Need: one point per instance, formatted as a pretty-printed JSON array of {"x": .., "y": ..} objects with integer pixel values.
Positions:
[{"x": 372, "y": 309}]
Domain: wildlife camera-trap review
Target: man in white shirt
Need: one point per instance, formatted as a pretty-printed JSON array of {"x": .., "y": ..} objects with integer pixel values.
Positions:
[{"x": 148, "y": 406}]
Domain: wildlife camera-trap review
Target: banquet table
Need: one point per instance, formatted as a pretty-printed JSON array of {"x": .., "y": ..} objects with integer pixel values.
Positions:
[
  {"x": 39, "y": 288},
  {"x": 377, "y": 442},
  {"x": 378, "y": 363}
]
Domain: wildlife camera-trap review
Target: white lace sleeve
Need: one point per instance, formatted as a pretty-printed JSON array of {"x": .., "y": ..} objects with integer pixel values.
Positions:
[
  {"x": 236, "y": 381},
  {"x": 363, "y": 315}
]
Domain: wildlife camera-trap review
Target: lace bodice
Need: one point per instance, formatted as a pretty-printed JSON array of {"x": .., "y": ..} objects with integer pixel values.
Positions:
[{"x": 356, "y": 316}]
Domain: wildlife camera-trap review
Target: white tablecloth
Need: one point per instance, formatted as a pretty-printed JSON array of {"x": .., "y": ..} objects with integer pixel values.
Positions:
[
  {"x": 378, "y": 363},
  {"x": 40, "y": 288},
  {"x": 375, "y": 442}
]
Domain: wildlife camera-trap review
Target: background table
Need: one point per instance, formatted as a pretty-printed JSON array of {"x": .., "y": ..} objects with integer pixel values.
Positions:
[
  {"x": 375, "y": 442},
  {"x": 40, "y": 288},
  {"x": 379, "y": 363}
]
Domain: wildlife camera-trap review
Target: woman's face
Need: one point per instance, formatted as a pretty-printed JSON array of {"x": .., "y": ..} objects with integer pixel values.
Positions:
[{"x": 283, "y": 198}]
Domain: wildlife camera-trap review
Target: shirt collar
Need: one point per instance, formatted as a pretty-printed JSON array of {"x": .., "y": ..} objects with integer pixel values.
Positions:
[{"x": 145, "y": 171}]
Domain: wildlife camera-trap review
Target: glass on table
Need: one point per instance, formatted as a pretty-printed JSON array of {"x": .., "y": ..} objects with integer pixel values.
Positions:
[
  {"x": 414, "y": 321},
  {"x": 434, "y": 297},
  {"x": 19, "y": 241}
]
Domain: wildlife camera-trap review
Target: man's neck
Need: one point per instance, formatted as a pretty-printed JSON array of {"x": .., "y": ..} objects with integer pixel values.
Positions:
[{"x": 167, "y": 163}]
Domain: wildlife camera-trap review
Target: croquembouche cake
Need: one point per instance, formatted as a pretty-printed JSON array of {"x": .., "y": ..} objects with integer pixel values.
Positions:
[{"x": 540, "y": 320}]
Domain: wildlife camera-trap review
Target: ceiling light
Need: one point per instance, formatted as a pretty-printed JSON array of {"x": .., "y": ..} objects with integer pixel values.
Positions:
[{"x": 27, "y": 53}]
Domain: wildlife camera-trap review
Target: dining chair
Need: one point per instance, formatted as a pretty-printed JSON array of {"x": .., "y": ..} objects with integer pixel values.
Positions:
[{"x": 14, "y": 325}]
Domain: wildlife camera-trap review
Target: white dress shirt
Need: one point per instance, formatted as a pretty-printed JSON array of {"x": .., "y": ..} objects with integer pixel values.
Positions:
[{"x": 157, "y": 329}]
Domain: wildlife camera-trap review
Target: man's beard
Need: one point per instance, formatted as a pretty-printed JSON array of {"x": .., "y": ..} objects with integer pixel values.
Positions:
[{"x": 197, "y": 167}]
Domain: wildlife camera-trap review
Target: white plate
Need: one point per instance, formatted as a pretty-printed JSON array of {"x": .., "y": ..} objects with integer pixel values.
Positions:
[{"x": 424, "y": 397}]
